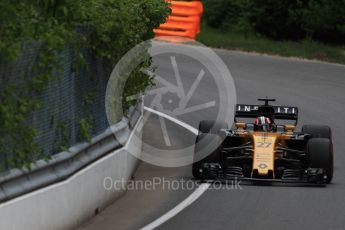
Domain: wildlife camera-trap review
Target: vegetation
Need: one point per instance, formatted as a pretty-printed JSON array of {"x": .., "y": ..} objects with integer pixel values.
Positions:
[
  {"x": 251, "y": 42},
  {"x": 320, "y": 20},
  {"x": 108, "y": 28},
  {"x": 303, "y": 28}
]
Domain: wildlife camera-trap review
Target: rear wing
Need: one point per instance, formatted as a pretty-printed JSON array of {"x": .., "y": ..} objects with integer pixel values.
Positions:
[{"x": 280, "y": 112}]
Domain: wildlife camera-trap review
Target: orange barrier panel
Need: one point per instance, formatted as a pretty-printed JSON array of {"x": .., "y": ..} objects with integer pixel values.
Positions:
[
  {"x": 195, "y": 20},
  {"x": 186, "y": 8},
  {"x": 192, "y": 19},
  {"x": 186, "y": 33},
  {"x": 184, "y": 20}
]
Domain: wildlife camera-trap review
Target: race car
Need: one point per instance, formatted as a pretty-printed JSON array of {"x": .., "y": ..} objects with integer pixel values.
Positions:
[{"x": 266, "y": 149}]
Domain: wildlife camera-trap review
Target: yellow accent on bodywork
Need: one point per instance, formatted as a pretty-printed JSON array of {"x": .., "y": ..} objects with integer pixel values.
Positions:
[
  {"x": 264, "y": 156},
  {"x": 240, "y": 125},
  {"x": 290, "y": 128}
]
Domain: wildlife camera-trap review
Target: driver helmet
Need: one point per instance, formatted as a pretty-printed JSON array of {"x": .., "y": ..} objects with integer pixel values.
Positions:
[{"x": 263, "y": 123}]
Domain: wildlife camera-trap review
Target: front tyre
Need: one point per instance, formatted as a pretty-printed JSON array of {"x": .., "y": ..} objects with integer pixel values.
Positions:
[
  {"x": 317, "y": 131},
  {"x": 207, "y": 150},
  {"x": 320, "y": 152},
  {"x": 209, "y": 126}
]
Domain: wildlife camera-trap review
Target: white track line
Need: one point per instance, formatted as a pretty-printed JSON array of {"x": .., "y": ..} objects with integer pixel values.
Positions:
[
  {"x": 181, "y": 123},
  {"x": 192, "y": 197},
  {"x": 178, "y": 208},
  {"x": 165, "y": 132}
]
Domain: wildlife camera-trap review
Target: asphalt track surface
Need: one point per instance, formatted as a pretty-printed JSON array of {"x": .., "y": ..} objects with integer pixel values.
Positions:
[{"x": 318, "y": 89}]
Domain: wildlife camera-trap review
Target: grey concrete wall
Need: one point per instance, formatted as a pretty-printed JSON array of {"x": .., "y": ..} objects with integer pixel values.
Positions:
[{"x": 66, "y": 204}]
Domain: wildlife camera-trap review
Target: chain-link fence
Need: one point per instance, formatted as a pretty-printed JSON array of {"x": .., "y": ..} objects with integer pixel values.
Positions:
[{"x": 71, "y": 101}]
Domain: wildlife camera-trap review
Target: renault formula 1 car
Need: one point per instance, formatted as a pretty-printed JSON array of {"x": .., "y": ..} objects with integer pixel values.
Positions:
[{"x": 264, "y": 150}]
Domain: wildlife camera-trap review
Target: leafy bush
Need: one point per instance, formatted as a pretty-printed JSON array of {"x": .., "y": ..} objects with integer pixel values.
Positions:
[
  {"x": 112, "y": 28},
  {"x": 322, "y": 20},
  {"x": 227, "y": 14},
  {"x": 278, "y": 19},
  {"x": 215, "y": 12}
]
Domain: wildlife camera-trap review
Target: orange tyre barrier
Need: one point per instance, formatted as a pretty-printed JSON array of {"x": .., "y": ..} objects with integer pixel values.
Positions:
[
  {"x": 184, "y": 20},
  {"x": 186, "y": 8}
]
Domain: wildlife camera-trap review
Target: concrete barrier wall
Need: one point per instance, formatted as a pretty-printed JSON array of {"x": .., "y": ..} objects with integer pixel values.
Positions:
[{"x": 66, "y": 204}]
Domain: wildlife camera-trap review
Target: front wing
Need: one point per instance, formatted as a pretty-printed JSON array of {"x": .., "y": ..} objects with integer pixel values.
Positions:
[{"x": 309, "y": 177}]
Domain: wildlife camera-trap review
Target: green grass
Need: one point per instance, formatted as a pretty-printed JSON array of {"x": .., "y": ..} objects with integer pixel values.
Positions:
[{"x": 253, "y": 43}]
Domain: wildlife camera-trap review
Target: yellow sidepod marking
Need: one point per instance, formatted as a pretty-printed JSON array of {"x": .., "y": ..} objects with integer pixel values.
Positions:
[{"x": 264, "y": 145}]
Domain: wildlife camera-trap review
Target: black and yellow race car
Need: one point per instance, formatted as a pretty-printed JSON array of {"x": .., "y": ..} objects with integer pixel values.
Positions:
[{"x": 264, "y": 150}]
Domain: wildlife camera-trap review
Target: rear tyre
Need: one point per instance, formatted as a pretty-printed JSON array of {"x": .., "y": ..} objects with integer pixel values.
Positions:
[
  {"x": 207, "y": 150},
  {"x": 213, "y": 127},
  {"x": 320, "y": 151},
  {"x": 317, "y": 131}
]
